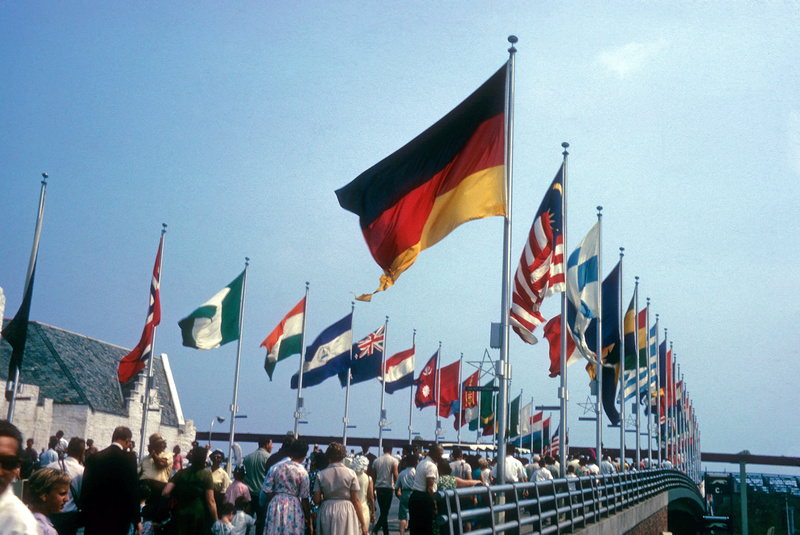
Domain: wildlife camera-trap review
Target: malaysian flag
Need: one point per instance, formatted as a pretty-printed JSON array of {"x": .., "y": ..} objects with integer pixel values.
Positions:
[
  {"x": 367, "y": 358},
  {"x": 134, "y": 361},
  {"x": 541, "y": 268}
]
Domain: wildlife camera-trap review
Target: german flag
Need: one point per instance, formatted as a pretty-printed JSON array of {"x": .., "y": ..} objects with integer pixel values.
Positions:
[{"x": 452, "y": 173}]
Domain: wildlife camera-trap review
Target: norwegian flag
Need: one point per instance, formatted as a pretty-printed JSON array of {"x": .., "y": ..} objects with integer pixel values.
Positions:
[
  {"x": 367, "y": 358},
  {"x": 541, "y": 268},
  {"x": 132, "y": 363}
]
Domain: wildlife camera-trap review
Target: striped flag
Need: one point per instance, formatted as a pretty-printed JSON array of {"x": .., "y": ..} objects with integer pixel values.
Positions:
[
  {"x": 552, "y": 331},
  {"x": 134, "y": 362},
  {"x": 216, "y": 322},
  {"x": 286, "y": 339},
  {"x": 399, "y": 370},
  {"x": 541, "y": 268},
  {"x": 328, "y": 355}
]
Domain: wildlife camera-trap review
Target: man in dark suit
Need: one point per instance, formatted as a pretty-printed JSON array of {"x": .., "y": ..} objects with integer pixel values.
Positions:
[{"x": 110, "y": 492}]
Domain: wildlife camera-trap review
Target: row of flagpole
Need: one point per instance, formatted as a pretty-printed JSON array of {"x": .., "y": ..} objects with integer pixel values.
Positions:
[{"x": 502, "y": 369}]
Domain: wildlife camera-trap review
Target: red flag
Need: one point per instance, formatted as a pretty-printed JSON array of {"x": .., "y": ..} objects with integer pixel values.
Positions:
[
  {"x": 426, "y": 384},
  {"x": 134, "y": 362},
  {"x": 469, "y": 399},
  {"x": 448, "y": 389},
  {"x": 552, "y": 331}
]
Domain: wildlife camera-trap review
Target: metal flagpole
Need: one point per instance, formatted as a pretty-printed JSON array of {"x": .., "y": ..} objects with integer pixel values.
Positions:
[
  {"x": 671, "y": 427},
  {"x": 31, "y": 263},
  {"x": 659, "y": 386},
  {"x": 460, "y": 397},
  {"x": 411, "y": 394},
  {"x": 563, "y": 392},
  {"x": 648, "y": 351},
  {"x": 503, "y": 369},
  {"x": 599, "y": 348},
  {"x": 638, "y": 364},
  {"x": 530, "y": 425},
  {"x": 437, "y": 391},
  {"x": 621, "y": 323},
  {"x": 346, "y": 419},
  {"x": 234, "y": 406},
  {"x": 148, "y": 381},
  {"x": 382, "y": 421},
  {"x": 299, "y": 404}
]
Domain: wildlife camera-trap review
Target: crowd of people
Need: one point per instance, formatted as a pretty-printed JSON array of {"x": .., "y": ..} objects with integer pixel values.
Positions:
[{"x": 73, "y": 486}]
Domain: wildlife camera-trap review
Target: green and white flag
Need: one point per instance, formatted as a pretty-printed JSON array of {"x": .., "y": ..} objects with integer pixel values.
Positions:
[{"x": 216, "y": 322}]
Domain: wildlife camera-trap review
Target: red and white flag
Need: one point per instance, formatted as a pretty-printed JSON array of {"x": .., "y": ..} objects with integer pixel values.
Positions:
[
  {"x": 134, "y": 362},
  {"x": 426, "y": 384},
  {"x": 541, "y": 269}
]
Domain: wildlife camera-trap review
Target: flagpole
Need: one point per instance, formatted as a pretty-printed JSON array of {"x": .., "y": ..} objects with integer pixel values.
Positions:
[
  {"x": 638, "y": 343},
  {"x": 503, "y": 368},
  {"x": 460, "y": 398},
  {"x": 346, "y": 419},
  {"x": 599, "y": 346},
  {"x": 382, "y": 421},
  {"x": 411, "y": 393},
  {"x": 621, "y": 322},
  {"x": 234, "y": 407},
  {"x": 650, "y": 381},
  {"x": 437, "y": 389},
  {"x": 530, "y": 424},
  {"x": 31, "y": 264},
  {"x": 563, "y": 392},
  {"x": 149, "y": 377},
  {"x": 658, "y": 395},
  {"x": 299, "y": 402}
]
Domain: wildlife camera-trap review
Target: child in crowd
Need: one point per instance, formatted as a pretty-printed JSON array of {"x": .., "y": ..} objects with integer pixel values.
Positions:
[
  {"x": 46, "y": 494},
  {"x": 243, "y": 523},
  {"x": 223, "y": 526}
]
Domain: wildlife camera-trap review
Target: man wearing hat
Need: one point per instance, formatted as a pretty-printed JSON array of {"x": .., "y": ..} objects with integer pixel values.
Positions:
[{"x": 155, "y": 469}]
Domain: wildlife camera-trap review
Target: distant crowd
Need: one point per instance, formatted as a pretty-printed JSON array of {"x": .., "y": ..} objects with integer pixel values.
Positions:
[{"x": 72, "y": 487}]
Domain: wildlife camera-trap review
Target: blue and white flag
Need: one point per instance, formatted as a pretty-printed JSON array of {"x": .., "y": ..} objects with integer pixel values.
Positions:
[
  {"x": 583, "y": 289},
  {"x": 329, "y": 354}
]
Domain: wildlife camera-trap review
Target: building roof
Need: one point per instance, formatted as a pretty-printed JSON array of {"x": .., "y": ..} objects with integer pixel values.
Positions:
[{"x": 73, "y": 369}]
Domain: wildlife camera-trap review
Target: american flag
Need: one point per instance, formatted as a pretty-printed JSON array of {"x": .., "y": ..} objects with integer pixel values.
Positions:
[
  {"x": 541, "y": 268},
  {"x": 134, "y": 361},
  {"x": 373, "y": 342},
  {"x": 554, "y": 442}
]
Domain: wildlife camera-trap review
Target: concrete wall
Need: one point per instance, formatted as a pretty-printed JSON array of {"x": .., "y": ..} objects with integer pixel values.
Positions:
[{"x": 649, "y": 517}]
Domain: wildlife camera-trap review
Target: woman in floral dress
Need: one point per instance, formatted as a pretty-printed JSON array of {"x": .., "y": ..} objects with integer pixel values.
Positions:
[{"x": 287, "y": 485}]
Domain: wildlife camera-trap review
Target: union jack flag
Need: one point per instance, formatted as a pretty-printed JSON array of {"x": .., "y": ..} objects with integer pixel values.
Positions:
[
  {"x": 373, "y": 342},
  {"x": 367, "y": 358},
  {"x": 541, "y": 269}
]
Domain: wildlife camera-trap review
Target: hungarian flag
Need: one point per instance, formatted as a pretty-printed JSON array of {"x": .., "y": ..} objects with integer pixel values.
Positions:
[
  {"x": 552, "y": 331},
  {"x": 286, "y": 339},
  {"x": 134, "y": 362},
  {"x": 448, "y": 388},
  {"x": 452, "y": 173},
  {"x": 426, "y": 384},
  {"x": 541, "y": 269},
  {"x": 216, "y": 322}
]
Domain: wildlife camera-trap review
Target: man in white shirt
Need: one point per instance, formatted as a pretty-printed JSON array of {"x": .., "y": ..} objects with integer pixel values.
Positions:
[
  {"x": 66, "y": 522},
  {"x": 421, "y": 507},
  {"x": 14, "y": 516},
  {"x": 384, "y": 471},
  {"x": 458, "y": 466},
  {"x": 514, "y": 473}
]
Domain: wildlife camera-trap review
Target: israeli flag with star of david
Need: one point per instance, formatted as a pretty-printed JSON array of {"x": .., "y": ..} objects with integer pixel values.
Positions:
[{"x": 583, "y": 289}]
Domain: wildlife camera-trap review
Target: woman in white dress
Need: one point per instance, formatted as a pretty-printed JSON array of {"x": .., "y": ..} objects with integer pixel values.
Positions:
[
  {"x": 336, "y": 492},
  {"x": 366, "y": 491}
]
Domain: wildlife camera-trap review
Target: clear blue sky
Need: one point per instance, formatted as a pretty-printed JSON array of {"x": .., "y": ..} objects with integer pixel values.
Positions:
[{"x": 234, "y": 124}]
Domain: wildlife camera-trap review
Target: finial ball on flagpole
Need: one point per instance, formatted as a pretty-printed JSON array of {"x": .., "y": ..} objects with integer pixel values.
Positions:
[
  {"x": 512, "y": 39},
  {"x": 44, "y": 175}
]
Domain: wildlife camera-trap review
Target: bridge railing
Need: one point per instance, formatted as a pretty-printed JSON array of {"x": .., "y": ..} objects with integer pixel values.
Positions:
[{"x": 553, "y": 506}]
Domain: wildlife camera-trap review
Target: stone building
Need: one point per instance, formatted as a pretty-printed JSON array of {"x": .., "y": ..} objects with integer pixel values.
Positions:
[{"x": 69, "y": 382}]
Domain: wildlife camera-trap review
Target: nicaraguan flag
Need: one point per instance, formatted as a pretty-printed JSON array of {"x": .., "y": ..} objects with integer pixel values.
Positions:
[
  {"x": 329, "y": 354},
  {"x": 583, "y": 289},
  {"x": 399, "y": 371}
]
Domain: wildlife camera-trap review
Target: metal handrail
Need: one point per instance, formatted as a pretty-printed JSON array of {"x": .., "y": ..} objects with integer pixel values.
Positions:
[{"x": 553, "y": 506}]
